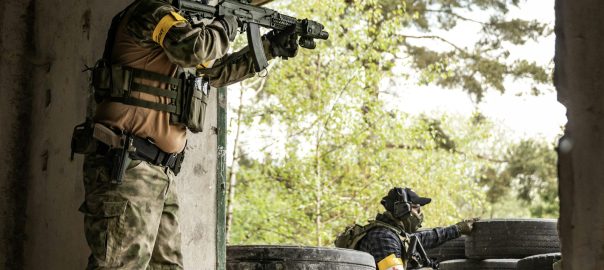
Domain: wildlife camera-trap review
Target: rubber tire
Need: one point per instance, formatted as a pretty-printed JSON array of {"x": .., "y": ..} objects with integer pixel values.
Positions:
[
  {"x": 490, "y": 264},
  {"x": 297, "y": 258},
  {"x": 450, "y": 250},
  {"x": 512, "y": 238},
  {"x": 539, "y": 262}
]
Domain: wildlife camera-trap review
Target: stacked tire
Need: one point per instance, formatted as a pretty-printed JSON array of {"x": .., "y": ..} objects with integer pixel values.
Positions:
[
  {"x": 503, "y": 244},
  {"x": 257, "y": 257}
]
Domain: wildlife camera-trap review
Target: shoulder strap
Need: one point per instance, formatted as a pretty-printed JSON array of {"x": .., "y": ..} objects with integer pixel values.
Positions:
[
  {"x": 378, "y": 223},
  {"x": 109, "y": 42},
  {"x": 373, "y": 224}
]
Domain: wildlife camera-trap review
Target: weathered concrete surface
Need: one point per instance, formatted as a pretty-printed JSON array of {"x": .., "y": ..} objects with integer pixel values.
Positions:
[
  {"x": 14, "y": 122},
  {"x": 45, "y": 46},
  {"x": 197, "y": 186},
  {"x": 579, "y": 78}
]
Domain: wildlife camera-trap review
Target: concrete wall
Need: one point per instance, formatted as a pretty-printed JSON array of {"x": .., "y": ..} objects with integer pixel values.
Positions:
[
  {"x": 45, "y": 46},
  {"x": 579, "y": 78}
]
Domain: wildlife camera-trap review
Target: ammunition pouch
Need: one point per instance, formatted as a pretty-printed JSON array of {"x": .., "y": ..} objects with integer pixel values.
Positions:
[
  {"x": 101, "y": 79},
  {"x": 193, "y": 102},
  {"x": 187, "y": 94}
]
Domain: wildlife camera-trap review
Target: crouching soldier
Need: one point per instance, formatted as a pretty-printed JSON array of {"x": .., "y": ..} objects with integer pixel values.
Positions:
[{"x": 393, "y": 238}]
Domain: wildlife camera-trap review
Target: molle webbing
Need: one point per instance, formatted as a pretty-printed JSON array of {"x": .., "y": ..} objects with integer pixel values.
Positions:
[
  {"x": 124, "y": 83},
  {"x": 373, "y": 224}
]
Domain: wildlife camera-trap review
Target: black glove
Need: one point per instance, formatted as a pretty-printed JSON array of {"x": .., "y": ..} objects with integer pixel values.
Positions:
[
  {"x": 230, "y": 24},
  {"x": 283, "y": 43},
  {"x": 466, "y": 226}
]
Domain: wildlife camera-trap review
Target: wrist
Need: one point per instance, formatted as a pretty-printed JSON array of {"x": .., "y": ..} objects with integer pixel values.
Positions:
[{"x": 458, "y": 229}]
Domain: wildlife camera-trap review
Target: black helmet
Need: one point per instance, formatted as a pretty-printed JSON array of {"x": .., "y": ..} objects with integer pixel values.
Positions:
[{"x": 399, "y": 200}]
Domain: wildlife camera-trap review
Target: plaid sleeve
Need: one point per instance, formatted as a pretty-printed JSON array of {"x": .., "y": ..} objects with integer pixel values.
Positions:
[
  {"x": 381, "y": 243},
  {"x": 436, "y": 236}
]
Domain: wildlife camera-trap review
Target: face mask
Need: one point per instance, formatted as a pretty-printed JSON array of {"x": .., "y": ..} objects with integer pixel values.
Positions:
[{"x": 413, "y": 221}]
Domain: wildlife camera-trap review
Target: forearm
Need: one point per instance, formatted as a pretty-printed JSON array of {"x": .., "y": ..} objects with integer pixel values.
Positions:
[
  {"x": 436, "y": 236},
  {"x": 233, "y": 68}
]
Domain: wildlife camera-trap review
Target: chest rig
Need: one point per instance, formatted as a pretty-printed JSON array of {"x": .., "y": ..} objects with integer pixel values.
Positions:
[
  {"x": 186, "y": 93},
  {"x": 353, "y": 234}
]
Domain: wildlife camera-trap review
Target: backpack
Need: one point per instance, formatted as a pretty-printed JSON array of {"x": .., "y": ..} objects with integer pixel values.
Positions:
[{"x": 354, "y": 233}]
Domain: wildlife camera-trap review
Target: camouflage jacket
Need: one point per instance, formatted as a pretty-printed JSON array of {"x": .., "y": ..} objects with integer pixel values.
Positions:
[{"x": 202, "y": 46}]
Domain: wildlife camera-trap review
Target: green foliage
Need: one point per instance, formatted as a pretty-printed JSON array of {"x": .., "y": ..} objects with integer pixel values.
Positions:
[
  {"x": 346, "y": 173},
  {"x": 528, "y": 173},
  {"x": 344, "y": 148}
]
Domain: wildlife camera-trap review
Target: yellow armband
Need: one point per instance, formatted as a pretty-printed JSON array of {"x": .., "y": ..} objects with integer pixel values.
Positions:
[
  {"x": 207, "y": 64},
  {"x": 391, "y": 263},
  {"x": 164, "y": 26}
]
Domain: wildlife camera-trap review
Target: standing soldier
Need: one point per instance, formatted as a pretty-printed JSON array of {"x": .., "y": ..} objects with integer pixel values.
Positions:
[
  {"x": 393, "y": 238},
  {"x": 146, "y": 101}
]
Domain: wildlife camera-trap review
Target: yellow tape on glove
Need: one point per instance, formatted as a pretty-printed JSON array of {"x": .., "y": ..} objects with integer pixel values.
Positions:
[
  {"x": 164, "y": 26},
  {"x": 390, "y": 263}
]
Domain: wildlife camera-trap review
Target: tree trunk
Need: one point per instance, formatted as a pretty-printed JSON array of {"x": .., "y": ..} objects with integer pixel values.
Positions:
[{"x": 234, "y": 170}]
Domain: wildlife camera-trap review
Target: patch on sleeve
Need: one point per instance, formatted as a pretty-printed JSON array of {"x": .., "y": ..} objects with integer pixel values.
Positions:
[
  {"x": 164, "y": 25},
  {"x": 391, "y": 263}
]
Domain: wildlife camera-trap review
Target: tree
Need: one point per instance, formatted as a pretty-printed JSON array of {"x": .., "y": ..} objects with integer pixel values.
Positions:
[
  {"x": 529, "y": 173},
  {"x": 379, "y": 35},
  {"x": 343, "y": 148}
]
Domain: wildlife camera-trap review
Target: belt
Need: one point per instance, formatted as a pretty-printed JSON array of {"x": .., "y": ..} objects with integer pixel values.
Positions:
[{"x": 147, "y": 151}]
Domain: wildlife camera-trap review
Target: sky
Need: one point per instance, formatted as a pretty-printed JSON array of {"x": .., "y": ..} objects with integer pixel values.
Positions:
[{"x": 524, "y": 116}]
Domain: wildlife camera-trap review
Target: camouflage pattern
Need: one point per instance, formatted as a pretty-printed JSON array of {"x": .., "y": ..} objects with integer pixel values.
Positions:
[
  {"x": 134, "y": 225},
  {"x": 185, "y": 45},
  {"x": 191, "y": 46}
]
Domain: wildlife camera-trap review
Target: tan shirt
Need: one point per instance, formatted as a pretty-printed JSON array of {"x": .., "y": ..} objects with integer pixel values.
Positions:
[{"x": 184, "y": 45}]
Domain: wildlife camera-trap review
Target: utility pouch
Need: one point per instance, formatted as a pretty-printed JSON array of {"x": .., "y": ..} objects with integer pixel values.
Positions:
[
  {"x": 82, "y": 141},
  {"x": 193, "y": 101},
  {"x": 101, "y": 79}
]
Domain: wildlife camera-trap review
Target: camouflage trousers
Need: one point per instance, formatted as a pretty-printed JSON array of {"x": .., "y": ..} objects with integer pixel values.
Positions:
[{"x": 133, "y": 225}]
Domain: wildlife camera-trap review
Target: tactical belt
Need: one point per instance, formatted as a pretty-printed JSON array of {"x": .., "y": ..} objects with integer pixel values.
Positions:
[{"x": 147, "y": 151}]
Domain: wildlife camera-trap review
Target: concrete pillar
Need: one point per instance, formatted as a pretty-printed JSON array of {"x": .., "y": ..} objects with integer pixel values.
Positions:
[
  {"x": 45, "y": 46},
  {"x": 579, "y": 79}
]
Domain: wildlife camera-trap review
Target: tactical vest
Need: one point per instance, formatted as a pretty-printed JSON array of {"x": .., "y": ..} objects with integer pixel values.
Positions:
[
  {"x": 354, "y": 233},
  {"x": 186, "y": 92}
]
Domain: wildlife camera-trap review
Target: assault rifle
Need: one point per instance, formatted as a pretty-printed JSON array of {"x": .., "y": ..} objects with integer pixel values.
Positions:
[
  {"x": 417, "y": 253},
  {"x": 252, "y": 17}
]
